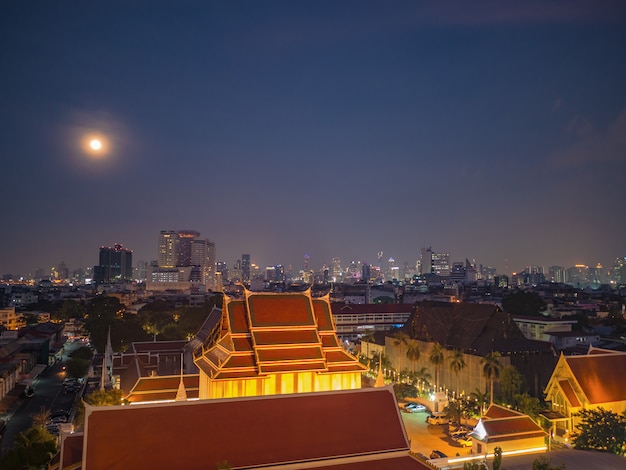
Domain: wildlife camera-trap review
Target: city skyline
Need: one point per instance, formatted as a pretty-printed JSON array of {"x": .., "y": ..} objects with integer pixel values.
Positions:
[{"x": 494, "y": 133}]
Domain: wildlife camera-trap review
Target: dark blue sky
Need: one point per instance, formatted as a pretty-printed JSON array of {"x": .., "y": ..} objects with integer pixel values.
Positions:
[{"x": 490, "y": 130}]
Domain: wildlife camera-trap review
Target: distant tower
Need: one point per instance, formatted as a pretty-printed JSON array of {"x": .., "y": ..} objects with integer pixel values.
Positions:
[
  {"x": 306, "y": 262},
  {"x": 245, "y": 268},
  {"x": 115, "y": 265},
  {"x": 186, "y": 239},
  {"x": 169, "y": 248},
  {"x": 427, "y": 261}
]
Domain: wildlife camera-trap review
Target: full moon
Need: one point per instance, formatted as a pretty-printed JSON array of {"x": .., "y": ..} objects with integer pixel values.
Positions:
[{"x": 95, "y": 144}]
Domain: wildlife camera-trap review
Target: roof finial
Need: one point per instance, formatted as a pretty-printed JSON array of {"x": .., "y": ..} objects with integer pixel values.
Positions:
[{"x": 181, "y": 394}]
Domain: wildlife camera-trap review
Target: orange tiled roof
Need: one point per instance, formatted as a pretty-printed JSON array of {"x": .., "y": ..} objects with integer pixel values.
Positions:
[
  {"x": 496, "y": 411},
  {"x": 569, "y": 393},
  {"x": 72, "y": 450},
  {"x": 509, "y": 426},
  {"x": 279, "y": 310},
  {"x": 602, "y": 377},
  {"x": 179, "y": 435},
  {"x": 285, "y": 332},
  {"x": 147, "y": 384}
]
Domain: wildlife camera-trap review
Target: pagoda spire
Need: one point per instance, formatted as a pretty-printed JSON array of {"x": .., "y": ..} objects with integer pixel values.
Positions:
[
  {"x": 181, "y": 394},
  {"x": 380, "y": 380}
]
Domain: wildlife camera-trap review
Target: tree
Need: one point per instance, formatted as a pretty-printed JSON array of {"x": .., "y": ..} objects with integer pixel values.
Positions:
[
  {"x": 457, "y": 364},
  {"x": 33, "y": 448},
  {"x": 511, "y": 383},
  {"x": 436, "y": 358},
  {"x": 527, "y": 404},
  {"x": 41, "y": 417},
  {"x": 105, "y": 397},
  {"x": 523, "y": 303},
  {"x": 403, "y": 391},
  {"x": 491, "y": 370},
  {"x": 70, "y": 309},
  {"x": 422, "y": 377},
  {"x": 77, "y": 367},
  {"x": 497, "y": 459},
  {"x": 482, "y": 465},
  {"x": 602, "y": 430},
  {"x": 480, "y": 398},
  {"x": 543, "y": 463},
  {"x": 82, "y": 353},
  {"x": 413, "y": 353}
]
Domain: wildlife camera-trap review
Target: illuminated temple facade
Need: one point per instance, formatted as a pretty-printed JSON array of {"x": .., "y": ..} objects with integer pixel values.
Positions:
[{"x": 268, "y": 344}]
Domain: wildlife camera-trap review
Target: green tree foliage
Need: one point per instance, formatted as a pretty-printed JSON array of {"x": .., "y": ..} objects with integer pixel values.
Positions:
[
  {"x": 602, "y": 430},
  {"x": 83, "y": 352},
  {"x": 70, "y": 309},
  {"x": 523, "y": 303},
  {"x": 457, "y": 364},
  {"x": 33, "y": 448},
  {"x": 404, "y": 391},
  {"x": 482, "y": 465},
  {"x": 480, "y": 398},
  {"x": 497, "y": 459},
  {"x": 544, "y": 463},
  {"x": 77, "y": 367},
  {"x": 511, "y": 384},
  {"x": 436, "y": 358},
  {"x": 105, "y": 397},
  {"x": 491, "y": 370},
  {"x": 528, "y": 405}
]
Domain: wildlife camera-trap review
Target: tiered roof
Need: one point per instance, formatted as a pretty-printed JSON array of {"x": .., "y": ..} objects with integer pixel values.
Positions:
[
  {"x": 501, "y": 424},
  {"x": 266, "y": 333}
]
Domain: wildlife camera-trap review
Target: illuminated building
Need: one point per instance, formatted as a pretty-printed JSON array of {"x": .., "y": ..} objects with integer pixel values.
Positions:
[
  {"x": 346, "y": 429},
  {"x": 597, "y": 379},
  {"x": 270, "y": 343},
  {"x": 10, "y": 319},
  {"x": 169, "y": 244},
  {"x": 245, "y": 268},
  {"x": 511, "y": 431},
  {"x": 115, "y": 265}
]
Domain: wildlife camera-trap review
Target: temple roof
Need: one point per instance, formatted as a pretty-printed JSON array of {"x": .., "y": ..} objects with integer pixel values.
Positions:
[
  {"x": 266, "y": 333},
  {"x": 485, "y": 328},
  {"x": 160, "y": 388},
  {"x": 306, "y": 429},
  {"x": 602, "y": 377}
]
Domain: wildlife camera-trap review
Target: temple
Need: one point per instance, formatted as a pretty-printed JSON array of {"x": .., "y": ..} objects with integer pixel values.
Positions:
[{"x": 268, "y": 344}]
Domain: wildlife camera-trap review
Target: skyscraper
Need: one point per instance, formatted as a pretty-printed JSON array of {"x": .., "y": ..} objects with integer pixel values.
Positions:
[
  {"x": 186, "y": 239},
  {"x": 245, "y": 268},
  {"x": 115, "y": 266},
  {"x": 169, "y": 249}
]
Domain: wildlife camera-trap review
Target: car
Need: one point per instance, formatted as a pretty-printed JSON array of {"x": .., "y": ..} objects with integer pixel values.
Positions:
[
  {"x": 415, "y": 407},
  {"x": 464, "y": 441},
  {"x": 436, "y": 419},
  {"x": 29, "y": 392},
  {"x": 459, "y": 431},
  {"x": 58, "y": 413},
  {"x": 437, "y": 454},
  {"x": 58, "y": 420}
]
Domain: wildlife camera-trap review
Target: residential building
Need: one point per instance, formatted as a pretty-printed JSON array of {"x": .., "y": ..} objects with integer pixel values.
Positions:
[{"x": 115, "y": 265}]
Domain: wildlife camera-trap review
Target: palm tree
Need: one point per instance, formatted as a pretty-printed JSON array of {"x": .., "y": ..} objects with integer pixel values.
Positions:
[
  {"x": 457, "y": 363},
  {"x": 491, "y": 370},
  {"x": 423, "y": 375},
  {"x": 436, "y": 358},
  {"x": 413, "y": 353},
  {"x": 400, "y": 338},
  {"x": 481, "y": 399}
]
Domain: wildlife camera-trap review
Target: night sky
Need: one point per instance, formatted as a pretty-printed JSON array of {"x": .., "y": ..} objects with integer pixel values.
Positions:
[{"x": 492, "y": 130}]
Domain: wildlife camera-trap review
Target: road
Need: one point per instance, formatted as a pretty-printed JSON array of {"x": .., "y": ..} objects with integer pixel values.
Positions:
[{"x": 49, "y": 395}]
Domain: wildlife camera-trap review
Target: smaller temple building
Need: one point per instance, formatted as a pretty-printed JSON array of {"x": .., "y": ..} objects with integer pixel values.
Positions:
[
  {"x": 510, "y": 430},
  {"x": 596, "y": 379}
]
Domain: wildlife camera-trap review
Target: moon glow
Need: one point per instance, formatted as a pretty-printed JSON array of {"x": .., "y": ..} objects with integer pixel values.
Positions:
[{"x": 95, "y": 144}]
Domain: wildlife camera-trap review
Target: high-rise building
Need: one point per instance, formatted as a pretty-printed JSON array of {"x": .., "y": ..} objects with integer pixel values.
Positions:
[
  {"x": 169, "y": 249},
  {"x": 186, "y": 239},
  {"x": 245, "y": 268},
  {"x": 441, "y": 264},
  {"x": 115, "y": 266},
  {"x": 426, "y": 266}
]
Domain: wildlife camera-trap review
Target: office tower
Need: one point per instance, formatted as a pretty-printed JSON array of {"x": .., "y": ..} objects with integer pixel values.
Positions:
[
  {"x": 245, "y": 268},
  {"x": 426, "y": 266},
  {"x": 441, "y": 264},
  {"x": 116, "y": 265},
  {"x": 203, "y": 257},
  {"x": 222, "y": 267},
  {"x": 337, "y": 267},
  {"x": 186, "y": 239},
  {"x": 556, "y": 274},
  {"x": 169, "y": 248},
  {"x": 366, "y": 272}
]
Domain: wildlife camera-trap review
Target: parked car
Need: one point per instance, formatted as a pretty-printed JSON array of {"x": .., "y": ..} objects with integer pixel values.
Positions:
[
  {"x": 415, "y": 407},
  {"x": 29, "y": 392},
  {"x": 437, "y": 454},
  {"x": 464, "y": 441},
  {"x": 437, "y": 419}
]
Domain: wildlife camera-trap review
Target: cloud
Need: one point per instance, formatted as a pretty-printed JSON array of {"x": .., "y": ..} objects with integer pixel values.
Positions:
[{"x": 591, "y": 145}]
